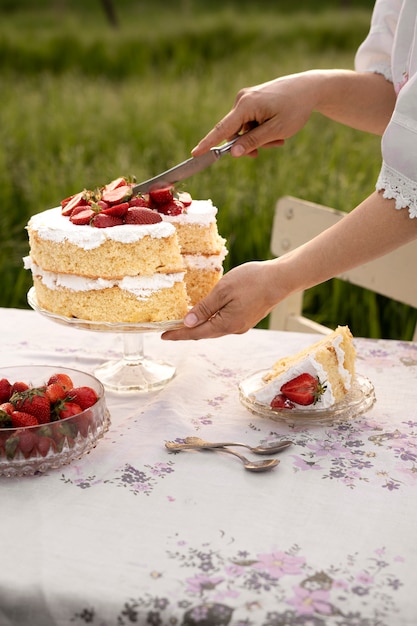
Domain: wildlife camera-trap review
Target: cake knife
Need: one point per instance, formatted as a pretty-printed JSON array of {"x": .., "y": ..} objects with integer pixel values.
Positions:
[{"x": 185, "y": 169}]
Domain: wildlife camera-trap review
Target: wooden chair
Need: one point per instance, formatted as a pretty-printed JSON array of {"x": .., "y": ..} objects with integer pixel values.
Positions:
[{"x": 297, "y": 221}]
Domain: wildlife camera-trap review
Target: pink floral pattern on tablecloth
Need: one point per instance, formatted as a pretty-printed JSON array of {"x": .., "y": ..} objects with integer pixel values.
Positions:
[{"x": 223, "y": 588}]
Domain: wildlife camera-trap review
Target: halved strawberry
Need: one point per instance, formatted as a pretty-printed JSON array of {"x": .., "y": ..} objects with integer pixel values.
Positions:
[
  {"x": 174, "y": 207},
  {"x": 162, "y": 195},
  {"x": 185, "y": 198},
  {"x": 139, "y": 201},
  {"x": 114, "y": 184},
  {"x": 142, "y": 215},
  {"x": 304, "y": 389},
  {"x": 281, "y": 402},
  {"x": 101, "y": 220},
  {"x": 76, "y": 200},
  {"x": 115, "y": 196},
  {"x": 83, "y": 217},
  {"x": 118, "y": 210}
]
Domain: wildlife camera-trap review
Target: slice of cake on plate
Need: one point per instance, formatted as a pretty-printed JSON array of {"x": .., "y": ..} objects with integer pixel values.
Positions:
[{"x": 316, "y": 378}]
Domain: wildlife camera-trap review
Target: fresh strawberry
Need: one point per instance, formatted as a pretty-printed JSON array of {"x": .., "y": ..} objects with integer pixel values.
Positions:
[
  {"x": 62, "y": 379},
  {"x": 304, "y": 389},
  {"x": 185, "y": 198},
  {"x": 44, "y": 444},
  {"x": 5, "y": 390},
  {"x": 83, "y": 217},
  {"x": 119, "y": 210},
  {"x": 35, "y": 402},
  {"x": 141, "y": 215},
  {"x": 281, "y": 402},
  {"x": 7, "y": 407},
  {"x": 83, "y": 396},
  {"x": 101, "y": 205},
  {"x": 101, "y": 220},
  {"x": 161, "y": 195},
  {"x": 117, "y": 182},
  {"x": 115, "y": 196},
  {"x": 55, "y": 392},
  {"x": 27, "y": 440},
  {"x": 18, "y": 386},
  {"x": 175, "y": 207},
  {"x": 21, "y": 419},
  {"x": 5, "y": 419},
  {"x": 77, "y": 200},
  {"x": 139, "y": 201},
  {"x": 68, "y": 409}
]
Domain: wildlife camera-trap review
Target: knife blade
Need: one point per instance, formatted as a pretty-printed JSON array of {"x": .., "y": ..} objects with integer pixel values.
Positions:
[{"x": 185, "y": 169}]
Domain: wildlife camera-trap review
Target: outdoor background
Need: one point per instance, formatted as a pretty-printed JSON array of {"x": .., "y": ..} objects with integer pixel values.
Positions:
[{"x": 93, "y": 90}]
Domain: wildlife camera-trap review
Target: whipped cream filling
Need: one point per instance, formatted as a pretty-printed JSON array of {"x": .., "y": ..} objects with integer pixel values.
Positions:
[
  {"x": 53, "y": 226},
  {"x": 140, "y": 286},
  {"x": 199, "y": 212},
  {"x": 205, "y": 262},
  {"x": 308, "y": 365}
]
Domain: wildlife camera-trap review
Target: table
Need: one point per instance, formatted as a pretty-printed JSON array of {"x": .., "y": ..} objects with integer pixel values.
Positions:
[{"x": 133, "y": 534}]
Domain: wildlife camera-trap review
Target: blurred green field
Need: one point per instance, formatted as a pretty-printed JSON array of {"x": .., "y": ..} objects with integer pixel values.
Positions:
[{"x": 84, "y": 101}]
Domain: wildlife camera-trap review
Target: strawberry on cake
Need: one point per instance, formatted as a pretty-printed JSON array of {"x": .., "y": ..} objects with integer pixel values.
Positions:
[
  {"x": 107, "y": 255},
  {"x": 316, "y": 378}
]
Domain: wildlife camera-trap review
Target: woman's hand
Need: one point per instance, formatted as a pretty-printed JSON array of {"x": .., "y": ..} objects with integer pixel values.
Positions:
[{"x": 243, "y": 297}]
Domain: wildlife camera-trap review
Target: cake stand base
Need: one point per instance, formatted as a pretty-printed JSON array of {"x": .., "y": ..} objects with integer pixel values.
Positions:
[{"x": 135, "y": 371}]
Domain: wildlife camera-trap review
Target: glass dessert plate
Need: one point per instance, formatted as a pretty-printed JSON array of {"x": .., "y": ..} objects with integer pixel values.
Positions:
[
  {"x": 358, "y": 400},
  {"x": 133, "y": 371}
]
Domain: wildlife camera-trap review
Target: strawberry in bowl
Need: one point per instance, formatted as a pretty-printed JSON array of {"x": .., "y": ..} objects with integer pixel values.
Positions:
[{"x": 49, "y": 416}]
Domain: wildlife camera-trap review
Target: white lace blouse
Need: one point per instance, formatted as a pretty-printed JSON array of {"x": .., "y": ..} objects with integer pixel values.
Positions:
[{"x": 391, "y": 49}]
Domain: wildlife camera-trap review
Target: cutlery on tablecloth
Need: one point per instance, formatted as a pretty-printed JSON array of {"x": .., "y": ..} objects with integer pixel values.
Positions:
[
  {"x": 251, "y": 466},
  {"x": 195, "y": 443}
]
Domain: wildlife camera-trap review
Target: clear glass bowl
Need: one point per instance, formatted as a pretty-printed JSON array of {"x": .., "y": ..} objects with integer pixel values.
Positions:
[{"x": 37, "y": 449}]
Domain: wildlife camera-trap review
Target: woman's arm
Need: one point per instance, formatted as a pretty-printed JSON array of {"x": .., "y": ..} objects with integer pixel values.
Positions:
[
  {"x": 249, "y": 292},
  {"x": 274, "y": 111}
]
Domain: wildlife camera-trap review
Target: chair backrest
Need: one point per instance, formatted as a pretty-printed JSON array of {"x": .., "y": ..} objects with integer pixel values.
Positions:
[{"x": 297, "y": 221}]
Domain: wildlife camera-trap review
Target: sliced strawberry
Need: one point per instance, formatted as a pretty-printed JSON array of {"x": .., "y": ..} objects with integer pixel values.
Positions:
[
  {"x": 118, "y": 210},
  {"x": 102, "y": 205},
  {"x": 83, "y": 217},
  {"x": 5, "y": 390},
  {"x": 117, "y": 182},
  {"x": 281, "y": 402},
  {"x": 76, "y": 200},
  {"x": 175, "y": 207},
  {"x": 304, "y": 389},
  {"x": 101, "y": 220},
  {"x": 21, "y": 419},
  {"x": 141, "y": 215},
  {"x": 115, "y": 196},
  {"x": 161, "y": 195},
  {"x": 139, "y": 201},
  {"x": 185, "y": 198}
]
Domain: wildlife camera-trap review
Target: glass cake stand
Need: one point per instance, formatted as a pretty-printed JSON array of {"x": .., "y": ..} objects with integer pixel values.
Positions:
[{"x": 133, "y": 371}]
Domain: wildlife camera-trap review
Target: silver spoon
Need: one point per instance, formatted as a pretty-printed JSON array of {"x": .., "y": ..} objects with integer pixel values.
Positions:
[
  {"x": 252, "y": 466},
  {"x": 195, "y": 443}
]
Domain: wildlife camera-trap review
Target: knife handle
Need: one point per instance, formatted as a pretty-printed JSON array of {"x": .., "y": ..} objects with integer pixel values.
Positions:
[{"x": 224, "y": 148}]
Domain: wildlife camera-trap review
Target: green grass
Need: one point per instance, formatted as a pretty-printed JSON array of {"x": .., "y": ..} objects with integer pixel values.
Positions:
[{"x": 83, "y": 103}]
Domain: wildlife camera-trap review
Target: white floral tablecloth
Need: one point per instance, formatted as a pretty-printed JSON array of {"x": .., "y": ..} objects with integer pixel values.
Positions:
[{"x": 131, "y": 534}]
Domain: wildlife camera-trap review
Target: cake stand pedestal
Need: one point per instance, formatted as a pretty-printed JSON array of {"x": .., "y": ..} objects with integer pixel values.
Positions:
[{"x": 133, "y": 371}]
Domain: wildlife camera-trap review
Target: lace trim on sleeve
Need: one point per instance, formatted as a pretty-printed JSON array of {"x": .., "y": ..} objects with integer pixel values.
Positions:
[
  {"x": 398, "y": 187},
  {"x": 381, "y": 68}
]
